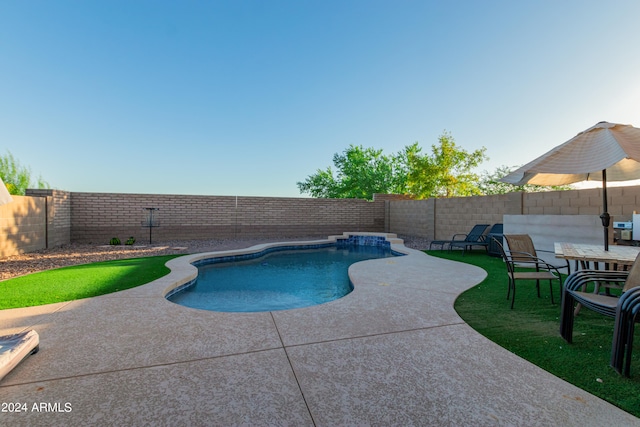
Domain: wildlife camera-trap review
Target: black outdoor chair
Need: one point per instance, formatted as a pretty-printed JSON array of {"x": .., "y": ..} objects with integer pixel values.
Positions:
[
  {"x": 625, "y": 308},
  {"x": 495, "y": 233},
  {"x": 475, "y": 237},
  {"x": 627, "y": 312}
]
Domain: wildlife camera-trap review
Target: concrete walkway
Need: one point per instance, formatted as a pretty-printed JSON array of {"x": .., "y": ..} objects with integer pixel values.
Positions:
[{"x": 393, "y": 352}]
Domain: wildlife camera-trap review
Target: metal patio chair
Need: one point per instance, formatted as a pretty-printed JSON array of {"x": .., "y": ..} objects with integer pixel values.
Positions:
[
  {"x": 523, "y": 243},
  {"x": 627, "y": 315},
  {"x": 625, "y": 308},
  {"x": 522, "y": 266}
]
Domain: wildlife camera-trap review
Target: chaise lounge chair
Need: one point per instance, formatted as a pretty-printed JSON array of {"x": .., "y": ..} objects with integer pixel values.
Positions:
[
  {"x": 465, "y": 241},
  {"x": 14, "y": 348}
]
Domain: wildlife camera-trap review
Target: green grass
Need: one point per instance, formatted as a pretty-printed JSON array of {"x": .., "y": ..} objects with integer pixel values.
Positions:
[
  {"x": 531, "y": 330},
  {"x": 81, "y": 281}
]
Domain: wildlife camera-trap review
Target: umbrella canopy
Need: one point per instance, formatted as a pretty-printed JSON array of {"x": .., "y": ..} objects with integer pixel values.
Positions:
[
  {"x": 5, "y": 197},
  {"x": 605, "y": 146},
  {"x": 604, "y": 152}
]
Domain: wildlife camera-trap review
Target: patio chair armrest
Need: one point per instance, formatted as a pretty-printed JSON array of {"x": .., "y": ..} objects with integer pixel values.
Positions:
[
  {"x": 545, "y": 251},
  {"x": 566, "y": 261},
  {"x": 598, "y": 275},
  {"x": 464, "y": 237},
  {"x": 624, "y": 298},
  {"x": 580, "y": 278},
  {"x": 526, "y": 258}
]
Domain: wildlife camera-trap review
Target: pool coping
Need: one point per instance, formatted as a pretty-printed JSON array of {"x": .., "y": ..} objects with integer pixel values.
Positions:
[
  {"x": 184, "y": 277},
  {"x": 184, "y": 270},
  {"x": 393, "y": 351}
]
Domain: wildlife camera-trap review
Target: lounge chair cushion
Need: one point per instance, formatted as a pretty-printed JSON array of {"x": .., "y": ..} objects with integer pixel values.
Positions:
[{"x": 14, "y": 348}]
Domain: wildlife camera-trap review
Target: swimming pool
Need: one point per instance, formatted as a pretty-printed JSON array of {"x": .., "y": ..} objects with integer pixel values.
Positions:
[{"x": 279, "y": 278}]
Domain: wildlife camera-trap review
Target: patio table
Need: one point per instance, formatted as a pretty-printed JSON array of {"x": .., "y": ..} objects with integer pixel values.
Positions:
[{"x": 586, "y": 253}]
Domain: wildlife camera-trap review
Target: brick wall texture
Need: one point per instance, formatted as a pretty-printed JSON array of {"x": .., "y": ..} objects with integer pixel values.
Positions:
[
  {"x": 412, "y": 217},
  {"x": 22, "y": 225},
  {"x": 97, "y": 217},
  {"x": 58, "y": 215},
  {"x": 442, "y": 218},
  {"x": 48, "y": 218},
  {"x": 458, "y": 215}
]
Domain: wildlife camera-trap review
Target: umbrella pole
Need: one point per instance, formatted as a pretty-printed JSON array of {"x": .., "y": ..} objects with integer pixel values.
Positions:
[{"x": 605, "y": 217}]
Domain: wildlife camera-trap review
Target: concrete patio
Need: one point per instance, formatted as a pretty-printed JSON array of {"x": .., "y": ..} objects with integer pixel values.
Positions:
[{"x": 392, "y": 352}]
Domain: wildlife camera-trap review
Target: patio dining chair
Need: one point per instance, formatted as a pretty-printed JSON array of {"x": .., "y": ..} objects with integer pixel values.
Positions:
[
  {"x": 523, "y": 243},
  {"x": 627, "y": 315},
  {"x": 625, "y": 308},
  {"x": 522, "y": 266}
]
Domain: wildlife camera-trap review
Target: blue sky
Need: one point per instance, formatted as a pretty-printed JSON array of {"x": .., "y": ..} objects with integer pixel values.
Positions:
[{"x": 249, "y": 97}]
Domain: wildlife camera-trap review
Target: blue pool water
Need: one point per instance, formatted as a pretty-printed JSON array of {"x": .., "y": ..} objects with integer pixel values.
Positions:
[{"x": 278, "y": 280}]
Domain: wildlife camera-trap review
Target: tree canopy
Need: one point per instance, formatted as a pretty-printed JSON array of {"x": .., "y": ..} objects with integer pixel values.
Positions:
[
  {"x": 447, "y": 172},
  {"x": 16, "y": 177},
  {"x": 361, "y": 172}
]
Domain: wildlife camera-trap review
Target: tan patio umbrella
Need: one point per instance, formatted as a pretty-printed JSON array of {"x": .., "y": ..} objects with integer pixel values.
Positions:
[{"x": 604, "y": 152}]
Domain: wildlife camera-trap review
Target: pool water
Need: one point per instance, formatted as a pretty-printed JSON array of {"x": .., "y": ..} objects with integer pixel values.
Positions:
[{"x": 278, "y": 280}]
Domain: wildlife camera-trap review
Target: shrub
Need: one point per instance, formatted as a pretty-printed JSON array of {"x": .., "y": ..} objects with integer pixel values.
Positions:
[
  {"x": 130, "y": 241},
  {"x": 114, "y": 241}
]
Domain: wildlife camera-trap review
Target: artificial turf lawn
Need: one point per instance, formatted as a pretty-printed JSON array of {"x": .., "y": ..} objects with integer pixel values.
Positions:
[
  {"x": 532, "y": 331},
  {"x": 81, "y": 281}
]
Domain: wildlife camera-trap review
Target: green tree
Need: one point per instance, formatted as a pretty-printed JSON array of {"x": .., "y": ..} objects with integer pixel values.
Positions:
[
  {"x": 16, "y": 177},
  {"x": 447, "y": 172},
  {"x": 360, "y": 173},
  {"x": 320, "y": 184},
  {"x": 490, "y": 183}
]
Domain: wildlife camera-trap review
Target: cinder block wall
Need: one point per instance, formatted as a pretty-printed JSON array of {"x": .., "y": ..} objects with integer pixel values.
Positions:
[
  {"x": 412, "y": 217},
  {"x": 58, "y": 204},
  {"x": 22, "y": 225},
  {"x": 622, "y": 201},
  {"x": 96, "y": 217},
  {"x": 459, "y": 214},
  {"x": 442, "y": 218}
]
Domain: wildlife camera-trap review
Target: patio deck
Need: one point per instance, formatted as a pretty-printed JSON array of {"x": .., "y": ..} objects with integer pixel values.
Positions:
[{"x": 393, "y": 352}]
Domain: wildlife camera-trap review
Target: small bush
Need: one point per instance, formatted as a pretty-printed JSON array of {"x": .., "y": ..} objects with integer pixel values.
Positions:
[
  {"x": 114, "y": 241},
  {"x": 130, "y": 241}
]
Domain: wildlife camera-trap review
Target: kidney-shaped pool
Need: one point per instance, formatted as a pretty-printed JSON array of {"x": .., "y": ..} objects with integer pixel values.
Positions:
[{"x": 279, "y": 279}]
